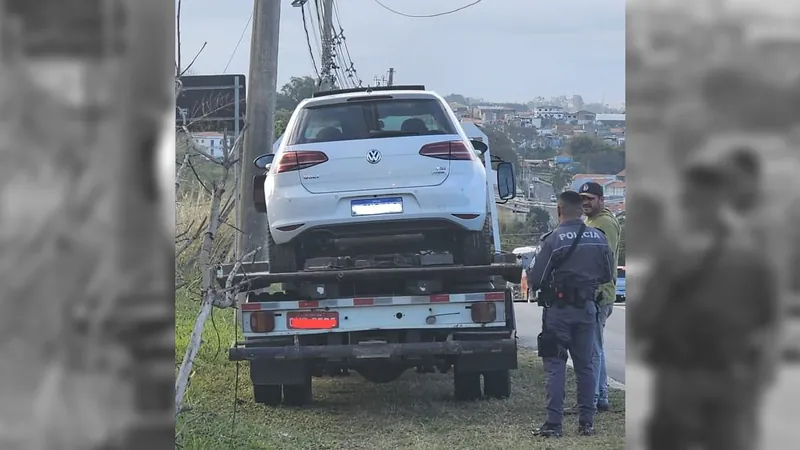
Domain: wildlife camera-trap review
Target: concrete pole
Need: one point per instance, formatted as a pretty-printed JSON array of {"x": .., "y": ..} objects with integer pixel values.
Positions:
[
  {"x": 328, "y": 78},
  {"x": 260, "y": 116}
]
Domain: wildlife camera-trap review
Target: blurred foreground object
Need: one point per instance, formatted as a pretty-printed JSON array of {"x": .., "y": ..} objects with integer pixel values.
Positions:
[{"x": 86, "y": 279}]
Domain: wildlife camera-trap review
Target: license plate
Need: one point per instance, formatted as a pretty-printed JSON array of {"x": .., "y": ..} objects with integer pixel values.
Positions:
[
  {"x": 375, "y": 206},
  {"x": 324, "y": 320}
]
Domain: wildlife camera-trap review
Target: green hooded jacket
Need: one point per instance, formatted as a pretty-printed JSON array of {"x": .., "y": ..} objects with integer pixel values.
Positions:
[{"x": 608, "y": 224}]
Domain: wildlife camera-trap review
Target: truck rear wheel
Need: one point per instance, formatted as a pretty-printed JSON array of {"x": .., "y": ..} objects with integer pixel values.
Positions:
[
  {"x": 267, "y": 394},
  {"x": 467, "y": 385},
  {"x": 476, "y": 246},
  {"x": 497, "y": 384},
  {"x": 298, "y": 394},
  {"x": 282, "y": 257}
]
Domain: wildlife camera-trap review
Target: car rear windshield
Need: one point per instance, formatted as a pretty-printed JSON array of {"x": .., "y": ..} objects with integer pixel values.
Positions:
[
  {"x": 620, "y": 273},
  {"x": 371, "y": 119}
]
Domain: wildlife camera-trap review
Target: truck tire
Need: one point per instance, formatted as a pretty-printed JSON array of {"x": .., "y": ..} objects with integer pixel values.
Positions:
[
  {"x": 298, "y": 394},
  {"x": 467, "y": 385},
  {"x": 267, "y": 394},
  {"x": 497, "y": 384},
  {"x": 381, "y": 374},
  {"x": 476, "y": 247},
  {"x": 282, "y": 257}
]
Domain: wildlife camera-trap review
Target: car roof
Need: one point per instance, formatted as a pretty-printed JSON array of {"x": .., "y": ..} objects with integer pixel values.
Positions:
[{"x": 344, "y": 97}]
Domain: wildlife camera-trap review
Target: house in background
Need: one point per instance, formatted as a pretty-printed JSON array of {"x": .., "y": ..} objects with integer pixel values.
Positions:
[
  {"x": 212, "y": 141},
  {"x": 610, "y": 120},
  {"x": 549, "y": 112}
]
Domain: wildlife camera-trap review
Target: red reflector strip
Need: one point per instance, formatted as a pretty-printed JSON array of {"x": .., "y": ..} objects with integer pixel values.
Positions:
[
  {"x": 363, "y": 301},
  {"x": 309, "y": 304},
  {"x": 312, "y": 321},
  {"x": 495, "y": 296},
  {"x": 440, "y": 298},
  {"x": 251, "y": 307}
]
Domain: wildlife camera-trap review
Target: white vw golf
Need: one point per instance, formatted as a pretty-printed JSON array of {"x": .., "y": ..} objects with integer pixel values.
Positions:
[{"x": 368, "y": 172}]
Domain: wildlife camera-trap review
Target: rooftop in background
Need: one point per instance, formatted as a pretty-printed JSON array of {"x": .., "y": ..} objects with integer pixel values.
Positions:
[{"x": 609, "y": 117}]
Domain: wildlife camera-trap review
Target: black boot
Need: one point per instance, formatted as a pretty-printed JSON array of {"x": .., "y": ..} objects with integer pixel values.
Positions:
[
  {"x": 548, "y": 430},
  {"x": 586, "y": 429}
]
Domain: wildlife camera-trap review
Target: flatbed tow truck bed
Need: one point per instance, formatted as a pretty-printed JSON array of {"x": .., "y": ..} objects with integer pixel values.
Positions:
[{"x": 378, "y": 321}]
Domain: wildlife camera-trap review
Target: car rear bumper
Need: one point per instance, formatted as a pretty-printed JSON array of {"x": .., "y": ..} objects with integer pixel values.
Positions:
[
  {"x": 294, "y": 211},
  {"x": 375, "y": 351}
]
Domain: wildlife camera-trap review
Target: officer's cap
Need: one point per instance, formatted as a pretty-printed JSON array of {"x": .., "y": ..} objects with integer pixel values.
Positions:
[{"x": 591, "y": 188}]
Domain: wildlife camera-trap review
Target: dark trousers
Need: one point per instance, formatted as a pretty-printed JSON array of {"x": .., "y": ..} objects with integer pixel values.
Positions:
[{"x": 575, "y": 329}]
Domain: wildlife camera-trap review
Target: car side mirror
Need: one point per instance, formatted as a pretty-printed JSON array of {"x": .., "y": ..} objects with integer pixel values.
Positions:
[
  {"x": 264, "y": 161},
  {"x": 506, "y": 184},
  {"x": 479, "y": 146}
]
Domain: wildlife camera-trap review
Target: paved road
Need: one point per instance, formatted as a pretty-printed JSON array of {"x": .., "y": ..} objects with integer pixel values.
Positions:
[{"x": 529, "y": 324}]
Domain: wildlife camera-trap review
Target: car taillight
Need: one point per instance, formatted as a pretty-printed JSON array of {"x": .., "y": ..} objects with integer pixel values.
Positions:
[
  {"x": 300, "y": 159},
  {"x": 452, "y": 150}
]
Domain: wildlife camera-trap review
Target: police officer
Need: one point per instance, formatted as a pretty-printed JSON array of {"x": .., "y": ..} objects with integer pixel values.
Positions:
[
  {"x": 573, "y": 261},
  {"x": 708, "y": 307}
]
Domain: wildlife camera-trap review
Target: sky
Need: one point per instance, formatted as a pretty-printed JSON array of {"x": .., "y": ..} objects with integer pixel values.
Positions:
[{"x": 498, "y": 50}]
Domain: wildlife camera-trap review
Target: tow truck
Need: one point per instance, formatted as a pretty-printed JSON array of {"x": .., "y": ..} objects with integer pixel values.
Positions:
[{"x": 379, "y": 316}]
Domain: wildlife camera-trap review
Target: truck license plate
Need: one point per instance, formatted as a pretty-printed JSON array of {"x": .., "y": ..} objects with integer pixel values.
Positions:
[
  {"x": 375, "y": 206},
  {"x": 323, "y": 320}
]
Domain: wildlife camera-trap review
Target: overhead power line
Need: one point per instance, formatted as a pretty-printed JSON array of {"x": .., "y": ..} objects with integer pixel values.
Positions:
[
  {"x": 235, "y": 49},
  {"x": 308, "y": 41},
  {"x": 423, "y": 16},
  {"x": 349, "y": 67}
]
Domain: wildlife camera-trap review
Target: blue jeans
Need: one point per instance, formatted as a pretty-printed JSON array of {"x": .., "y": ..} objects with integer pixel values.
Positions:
[{"x": 599, "y": 355}]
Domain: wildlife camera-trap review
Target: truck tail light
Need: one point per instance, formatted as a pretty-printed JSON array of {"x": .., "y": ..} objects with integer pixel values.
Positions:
[
  {"x": 297, "y": 160},
  {"x": 262, "y": 321},
  {"x": 450, "y": 150},
  {"x": 484, "y": 312}
]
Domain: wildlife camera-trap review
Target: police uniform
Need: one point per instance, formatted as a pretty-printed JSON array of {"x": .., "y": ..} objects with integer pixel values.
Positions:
[{"x": 573, "y": 325}]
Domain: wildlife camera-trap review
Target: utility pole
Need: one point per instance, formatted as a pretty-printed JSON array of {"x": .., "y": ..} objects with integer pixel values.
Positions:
[
  {"x": 391, "y": 77},
  {"x": 328, "y": 78},
  {"x": 260, "y": 132}
]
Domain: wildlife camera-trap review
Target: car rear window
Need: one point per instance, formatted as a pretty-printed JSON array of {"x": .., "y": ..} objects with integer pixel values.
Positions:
[
  {"x": 371, "y": 119},
  {"x": 620, "y": 273}
]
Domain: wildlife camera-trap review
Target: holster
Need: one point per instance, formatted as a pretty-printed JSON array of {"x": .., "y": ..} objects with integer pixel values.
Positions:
[
  {"x": 548, "y": 345},
  {"x": 559, "y": 295}
]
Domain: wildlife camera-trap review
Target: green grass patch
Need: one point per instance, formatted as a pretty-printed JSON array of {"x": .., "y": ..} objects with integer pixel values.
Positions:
[{"x": 414, "y": 412}]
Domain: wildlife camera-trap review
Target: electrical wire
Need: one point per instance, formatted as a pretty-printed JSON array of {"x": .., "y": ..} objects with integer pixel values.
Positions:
[
  {"x": 425, "y": 16},
  {"x": 326, "y": 70},
  {"x": 308, "y": 42},
  {"x": 235, "y": 49},
  {"x": 349, "y": 66}
]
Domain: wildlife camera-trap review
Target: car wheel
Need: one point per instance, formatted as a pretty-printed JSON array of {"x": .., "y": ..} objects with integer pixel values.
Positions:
[
  {"x": 476, "y": 246},
  {"x": 282, "y": 257}
]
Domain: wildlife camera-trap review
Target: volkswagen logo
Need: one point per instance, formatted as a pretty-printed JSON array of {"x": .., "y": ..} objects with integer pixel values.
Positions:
[{"x": 373, "y": 157}]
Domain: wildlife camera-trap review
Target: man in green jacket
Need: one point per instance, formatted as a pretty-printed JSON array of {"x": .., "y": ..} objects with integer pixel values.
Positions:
[{"x": 600, "y": 217}]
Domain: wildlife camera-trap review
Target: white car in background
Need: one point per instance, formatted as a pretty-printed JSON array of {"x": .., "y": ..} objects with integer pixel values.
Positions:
[{"x": 376, "y": 172}]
